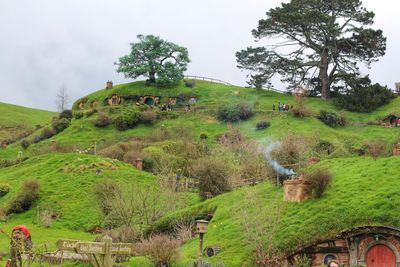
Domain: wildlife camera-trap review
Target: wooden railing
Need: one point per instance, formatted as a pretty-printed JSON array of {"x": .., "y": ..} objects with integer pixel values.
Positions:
[{"x": 207, "y": 79}]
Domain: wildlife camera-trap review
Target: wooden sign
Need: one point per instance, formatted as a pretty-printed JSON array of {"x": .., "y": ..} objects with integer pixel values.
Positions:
[
  {"x": 122, "y": 249},
  {"x": 67, "y": 244},
  {"x": 100, "y": 253},
  {"x": 91, "y": 247}
]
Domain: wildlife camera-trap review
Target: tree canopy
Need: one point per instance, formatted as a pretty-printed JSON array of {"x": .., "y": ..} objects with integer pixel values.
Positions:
[
  {"x": 316, "y": 40},
  {"x": 161, "y": 61}
]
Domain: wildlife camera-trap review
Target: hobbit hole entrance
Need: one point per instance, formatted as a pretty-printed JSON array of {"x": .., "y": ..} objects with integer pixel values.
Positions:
[
  {"x": 149, "y": 101},
  {"x": 380, "y": 255}
]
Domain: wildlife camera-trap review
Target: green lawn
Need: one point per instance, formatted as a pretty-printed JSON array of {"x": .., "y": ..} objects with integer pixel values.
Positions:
[{"x": 15, "y": 120}]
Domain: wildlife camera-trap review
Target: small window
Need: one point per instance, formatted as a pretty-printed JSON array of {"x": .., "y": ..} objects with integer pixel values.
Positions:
[{"x": 328, "y": 258}]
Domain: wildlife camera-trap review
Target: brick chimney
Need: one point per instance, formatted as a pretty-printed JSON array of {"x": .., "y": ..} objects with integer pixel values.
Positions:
[
  {"x": 396, "y": 149},
  {"x": 139, "y": 164},
  {"x": 109, "y": 84},
  {"x": 296, "y": 190}
]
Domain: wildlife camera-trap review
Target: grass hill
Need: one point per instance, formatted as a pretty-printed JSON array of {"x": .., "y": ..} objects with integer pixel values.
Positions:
[
  {"x": 363, "y": 192},
  {"x": 17, "y": 121}
]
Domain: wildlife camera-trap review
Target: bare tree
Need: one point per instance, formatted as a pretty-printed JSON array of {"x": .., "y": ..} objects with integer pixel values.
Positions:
[{"x": 62, "y": 98}]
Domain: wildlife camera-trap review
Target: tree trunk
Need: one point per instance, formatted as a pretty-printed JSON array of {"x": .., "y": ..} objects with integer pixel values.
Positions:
[
  {"x": 323, "y": 75},
  {"x": 152, "y": 77}
]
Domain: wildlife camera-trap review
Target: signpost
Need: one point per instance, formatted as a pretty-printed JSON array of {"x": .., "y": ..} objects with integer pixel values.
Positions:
[{"x": 100, "y": 253}]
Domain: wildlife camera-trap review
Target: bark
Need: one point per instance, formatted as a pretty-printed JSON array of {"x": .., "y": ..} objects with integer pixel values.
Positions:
[
  {"x": 323, "y": 75},
  {"x": 152, "y": 77}
]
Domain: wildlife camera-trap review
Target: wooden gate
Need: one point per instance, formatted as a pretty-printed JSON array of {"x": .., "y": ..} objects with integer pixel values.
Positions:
[{"x": 379, "y": 256}]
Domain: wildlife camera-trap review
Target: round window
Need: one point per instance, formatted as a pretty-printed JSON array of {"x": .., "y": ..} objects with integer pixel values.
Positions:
[{"x": 328, "y": 258}]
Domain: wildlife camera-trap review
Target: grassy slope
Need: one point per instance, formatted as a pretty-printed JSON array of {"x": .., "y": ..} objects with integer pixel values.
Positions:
[
  {"x": 82, "y": 134},
  {"x": 16, "y": 119},
  {"x": 363, "y": 192},
  {"x": 67, "y": 185},
  {"x": 351, "y": 174}
]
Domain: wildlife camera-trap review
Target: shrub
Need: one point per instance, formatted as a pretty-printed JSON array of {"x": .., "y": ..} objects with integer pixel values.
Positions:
[
  {"x": 25, "y": 198},
  {"x": 235, "y": 112},
  {"x": 114, "y": 152},
  {"x": 47, "y": 133},
  {"x": 203, "y": 136},
  {"x": 324, "y": 147},
  {"x": 161, "y": 249},
  {"x": 60, "y": 125},
  {"x": 148, "y": 117},
  {"x": 25, "y": 143},
  {"x": 4, "y": 189},
  {"x": 190, "y": 83},
  {"x": 102, "y": 120},
  {"x": 128, "y": 119},
  {"x": 212, "y": 175},
  {"x": 78, "y": 115},
  {"x": 90, "y": 112},
  {"x": 375, "y": 148},
  {"x": 66, "y": 114},
  {"x": 319, "y": 180},
  {"x": 262, "y": 125},
  {"x": 364, "y": 97},
  {"x": 331, "y": 119}
]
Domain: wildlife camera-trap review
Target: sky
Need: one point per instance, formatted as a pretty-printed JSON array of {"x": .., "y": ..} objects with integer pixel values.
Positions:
[{"x": 46, "y": 44}]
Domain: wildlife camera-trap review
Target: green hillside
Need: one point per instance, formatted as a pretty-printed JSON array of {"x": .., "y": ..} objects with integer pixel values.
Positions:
[
  {"x": 18, "y": 121},
  {"x": 363, "y": 191},
  {"x": 202, "y": 117}
]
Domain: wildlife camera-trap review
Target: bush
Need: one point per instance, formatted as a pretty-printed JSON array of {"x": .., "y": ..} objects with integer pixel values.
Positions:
[
  {"x": 235, "y": 112},
  {"x": 47, "y": 133},
  {"x": 25, "y": 198},
  {"x": 190, "y": 83},
  {"x": 128, "y": 119},
  {"x": 66, "y": 114},
  {"x": 90, "y": 112},
  {"x": 212, "y": 175},
  {"x": 78, "y": 115},
  {"x": 60, "y": 125},
  {"x": 161, "y": 249},
  {"x": 262, "y": 125},
  {"x": 148, "y": 117},
  {"x": 319, "y": 180},
  {"x": 25, "y": 143},
  {"x": 203, "y": 136},
  {"x": 364, "y": 98},
  {"x": 4, "y": 189},
  {"x": 375, "y": 148},
  {"x": 331, "y": 119},
  {"x": 324, "y": 147},
  {"x": 102, "y": 120},
  {"x": 114, "y": 152}
]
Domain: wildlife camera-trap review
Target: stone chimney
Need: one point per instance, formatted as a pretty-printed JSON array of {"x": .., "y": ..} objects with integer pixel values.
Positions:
[
  {"x": 139, "y": 164},
  {"x": 397, "y": 86},
  {"x": 109, "y": 84},
  {"x": 396, "y": 149},
  {"x": 296, "y": 190}
]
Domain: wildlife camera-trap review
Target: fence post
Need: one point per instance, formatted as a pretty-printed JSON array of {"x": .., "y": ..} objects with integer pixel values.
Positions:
[{"x": 107, "y": 254}]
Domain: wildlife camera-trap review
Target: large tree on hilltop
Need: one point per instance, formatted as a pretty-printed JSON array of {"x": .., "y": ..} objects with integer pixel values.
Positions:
[
  {"x": 316, "y": 40},
  {"x": 159, "y": 60}
]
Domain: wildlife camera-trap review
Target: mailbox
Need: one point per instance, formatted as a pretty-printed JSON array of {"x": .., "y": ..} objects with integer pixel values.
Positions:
[{"x": 201, "y": 226}]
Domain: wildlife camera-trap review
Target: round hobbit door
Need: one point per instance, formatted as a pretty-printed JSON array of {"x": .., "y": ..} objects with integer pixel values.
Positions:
[
  {"x": 149, "y": 101},
  {"x": 379, "y": 256}
]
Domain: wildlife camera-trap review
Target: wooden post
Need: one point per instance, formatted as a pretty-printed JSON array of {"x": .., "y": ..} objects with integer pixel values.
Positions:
[
  {"x": 107, "y": 262},
  {"x": 200, "y": 261}
]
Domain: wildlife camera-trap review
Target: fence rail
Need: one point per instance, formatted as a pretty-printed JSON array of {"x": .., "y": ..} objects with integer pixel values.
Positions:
[{"x": 207, "y": 79}]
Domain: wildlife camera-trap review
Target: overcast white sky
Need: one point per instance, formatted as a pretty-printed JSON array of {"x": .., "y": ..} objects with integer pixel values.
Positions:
[{"x": 45, "y": 43}]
